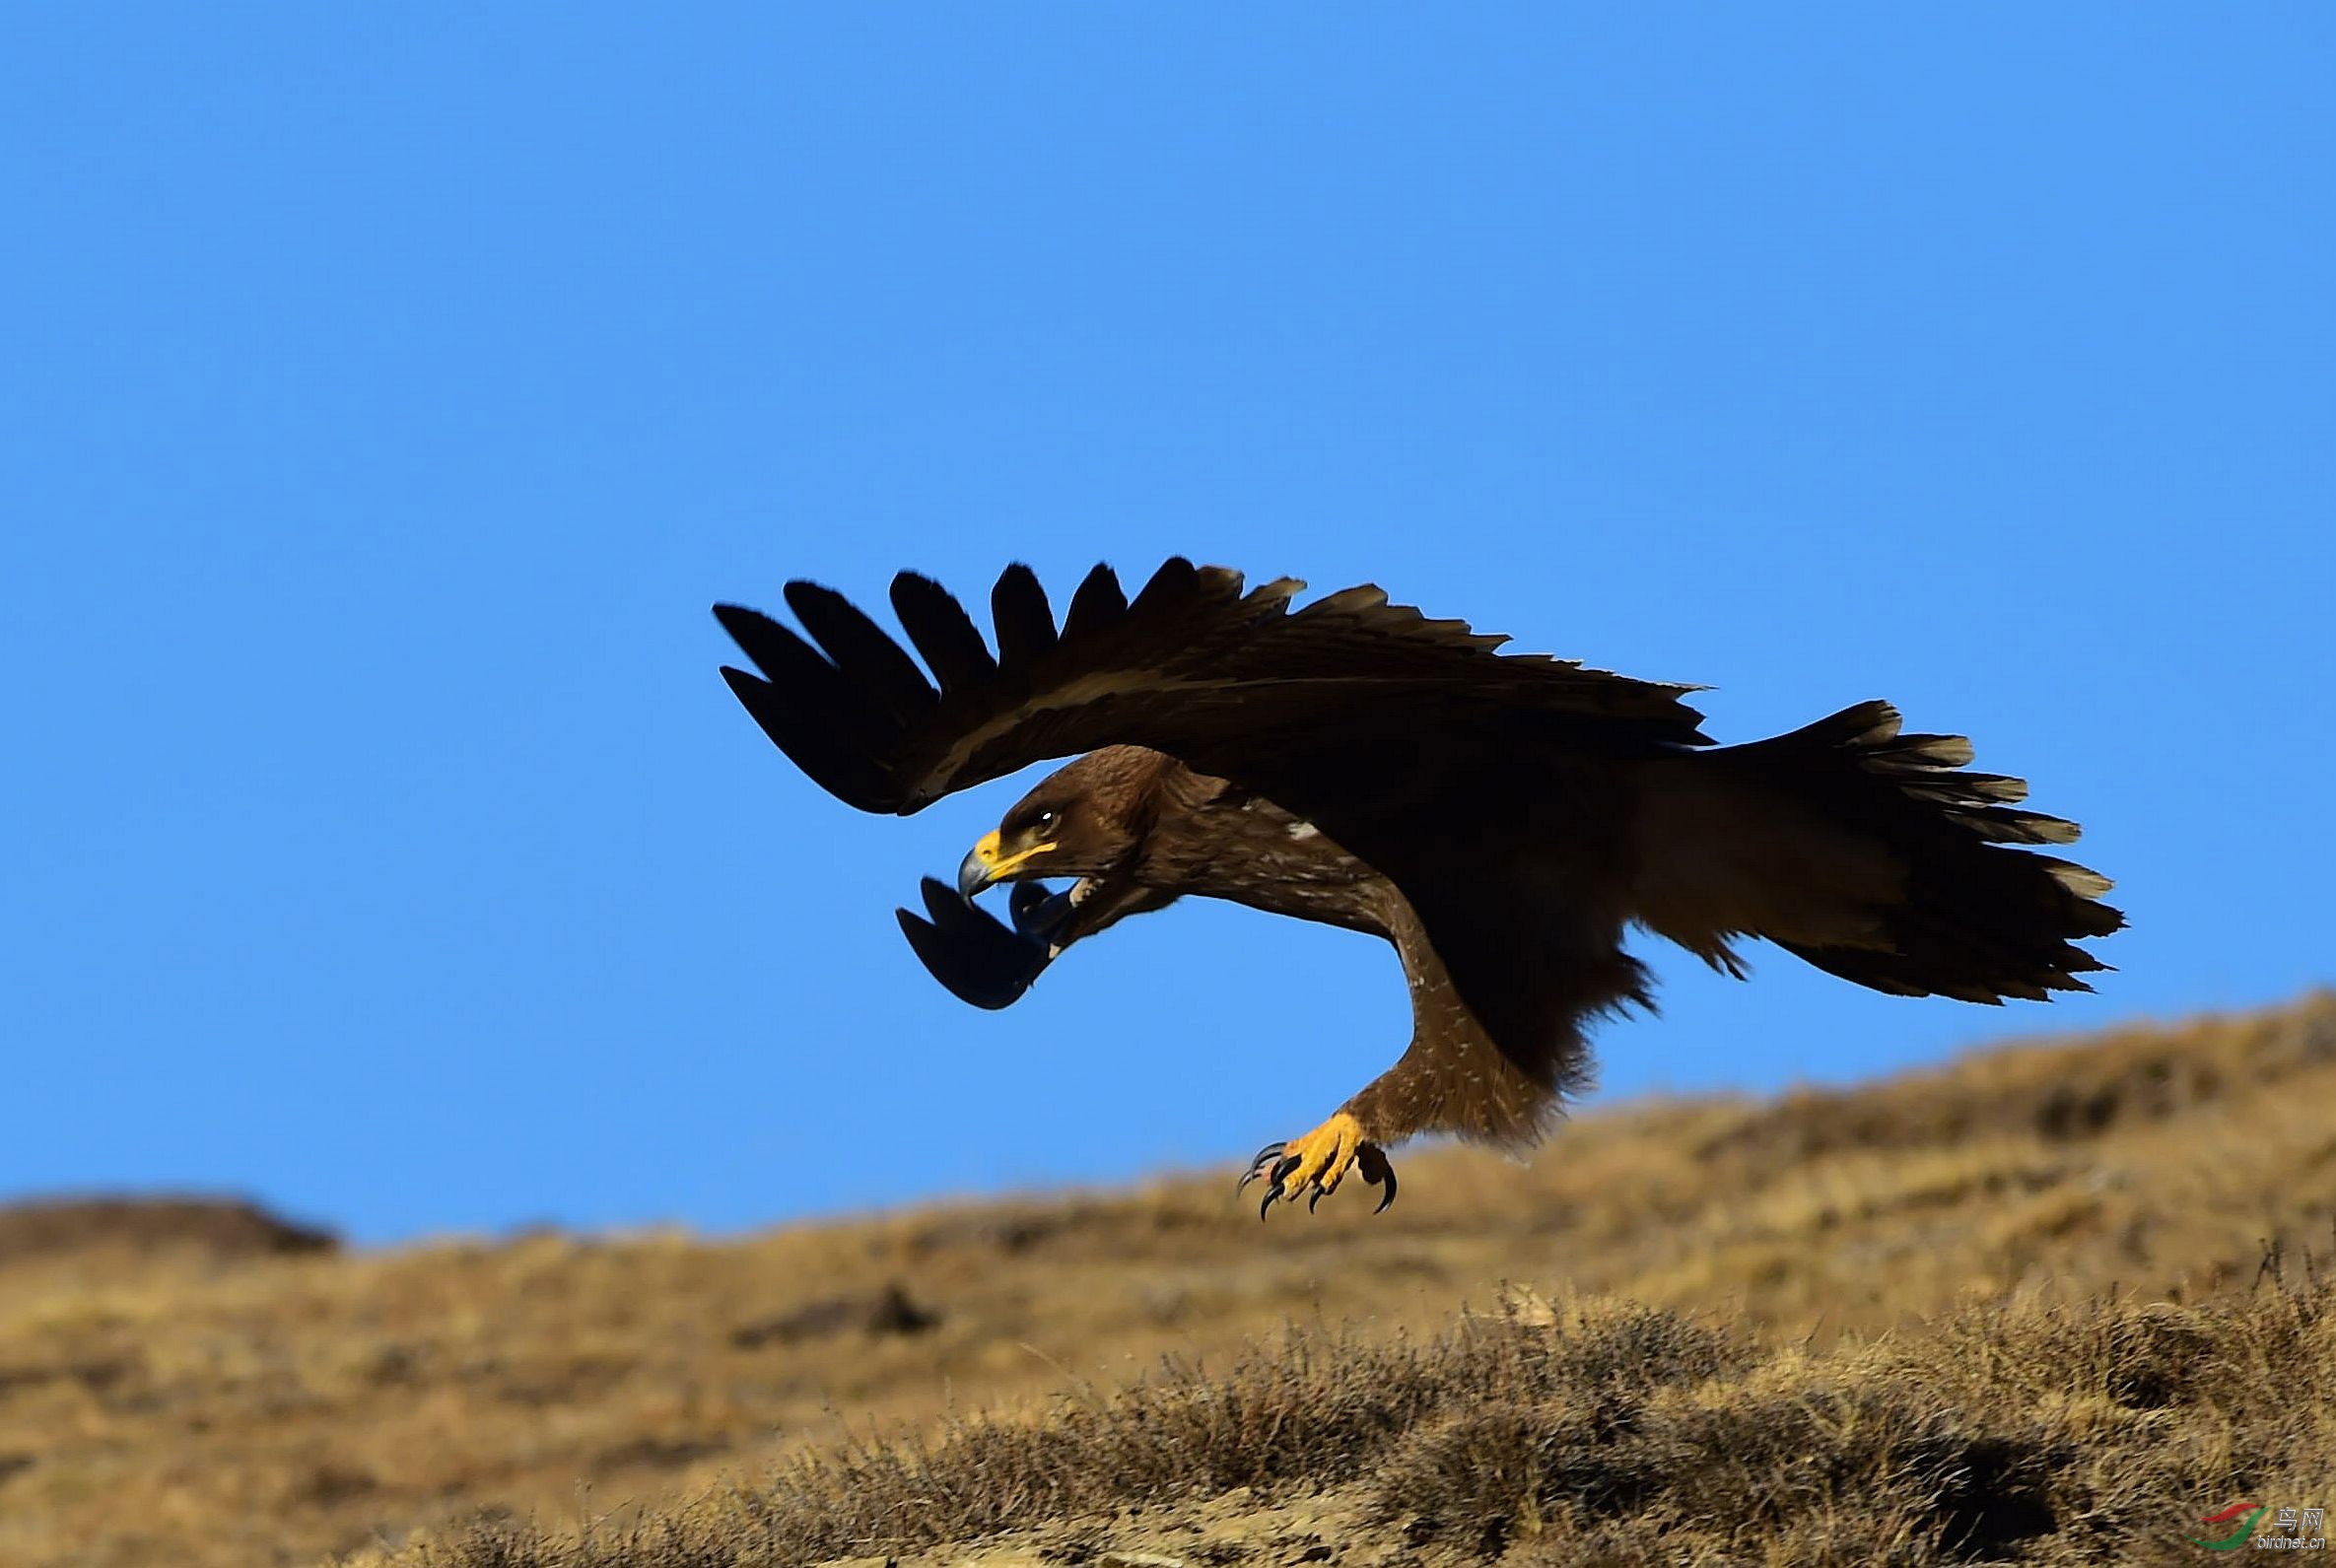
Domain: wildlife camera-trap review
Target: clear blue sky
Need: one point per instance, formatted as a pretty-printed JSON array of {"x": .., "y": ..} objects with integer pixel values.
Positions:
[{"x": 388, "y": 391}]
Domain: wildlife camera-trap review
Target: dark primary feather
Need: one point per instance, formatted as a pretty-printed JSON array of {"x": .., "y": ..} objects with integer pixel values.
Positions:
[
  {"x": 1234, "y": 682},
  {"x": 942, "y": 632},
  {"x": 1095, "y": 604},
  {"x": 811, "y": 711},
  {"x": 1024, "y": 620},
  {"x": 870, "y": 659}
]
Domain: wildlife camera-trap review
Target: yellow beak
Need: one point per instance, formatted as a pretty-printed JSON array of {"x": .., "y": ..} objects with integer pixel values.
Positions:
[{"x": 988, "y": 862}]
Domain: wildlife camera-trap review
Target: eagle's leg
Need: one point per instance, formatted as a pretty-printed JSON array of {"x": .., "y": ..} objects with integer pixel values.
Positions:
[{"x": 1315, "y": 1165}]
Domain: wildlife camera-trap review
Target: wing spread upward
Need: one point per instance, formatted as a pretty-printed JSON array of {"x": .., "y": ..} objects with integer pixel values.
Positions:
[{"x": 1238, "y": 684}]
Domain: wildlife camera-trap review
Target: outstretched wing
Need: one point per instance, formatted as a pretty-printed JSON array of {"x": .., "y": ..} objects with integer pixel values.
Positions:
[{"x": 1238, "y": 684}]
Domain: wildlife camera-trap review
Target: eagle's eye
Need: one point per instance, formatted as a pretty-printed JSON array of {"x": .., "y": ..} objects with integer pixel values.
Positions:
[{"x": 1045, "y": 821}]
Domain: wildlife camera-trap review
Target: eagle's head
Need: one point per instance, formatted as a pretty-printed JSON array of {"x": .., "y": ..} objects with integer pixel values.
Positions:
[{"x": 1085, "y": 819}]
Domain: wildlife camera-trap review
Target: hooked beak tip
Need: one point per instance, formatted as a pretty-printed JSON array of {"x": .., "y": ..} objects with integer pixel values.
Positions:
[
  {"x": 973, "y": 873},
  {"x": 987, "y": 863}
]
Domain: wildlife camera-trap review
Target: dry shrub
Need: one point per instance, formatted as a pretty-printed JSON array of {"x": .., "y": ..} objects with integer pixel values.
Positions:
[
  {"x": 1315, "y": 1409},
  {"x": 1605, "y": 1432}
]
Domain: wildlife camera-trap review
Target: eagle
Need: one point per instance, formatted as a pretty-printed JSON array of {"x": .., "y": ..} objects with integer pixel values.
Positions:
[{"x": 1502, "y": 819}]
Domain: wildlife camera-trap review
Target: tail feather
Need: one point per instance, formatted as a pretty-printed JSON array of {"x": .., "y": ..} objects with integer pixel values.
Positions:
[
  {"x": 1966, "y": 910},
  {"x": 1928, "y": 768},
  {"x": 1978, "y": 921}
]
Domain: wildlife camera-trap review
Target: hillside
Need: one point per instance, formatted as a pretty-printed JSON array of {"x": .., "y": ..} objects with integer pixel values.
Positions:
[{"x": 2016, "y": 1306}]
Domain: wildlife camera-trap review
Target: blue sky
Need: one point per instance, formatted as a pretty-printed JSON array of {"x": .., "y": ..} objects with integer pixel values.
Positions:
[{"x": 389, "y": 392}]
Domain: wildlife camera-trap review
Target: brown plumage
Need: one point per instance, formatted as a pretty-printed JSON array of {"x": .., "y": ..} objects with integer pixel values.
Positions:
[{"x": 1499, "y": 818}]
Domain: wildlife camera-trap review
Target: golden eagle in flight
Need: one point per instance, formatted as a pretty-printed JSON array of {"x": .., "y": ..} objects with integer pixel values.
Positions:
[{"x": 1500, "y": 818}]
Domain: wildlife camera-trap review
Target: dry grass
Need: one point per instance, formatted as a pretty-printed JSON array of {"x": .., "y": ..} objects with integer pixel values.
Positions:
[
  {"x": 1606, "y": 1432},
  {"x": 1954, "y": 1305}
]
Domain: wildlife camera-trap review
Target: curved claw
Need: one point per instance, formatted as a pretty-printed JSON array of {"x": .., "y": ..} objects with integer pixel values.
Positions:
[
  {"x": 1257, "y": 1166},
  {"x": 1318, "y": 1170},
  {"x": 1375, "y": 1167},
  {"x": 1276, "y": 1191}
]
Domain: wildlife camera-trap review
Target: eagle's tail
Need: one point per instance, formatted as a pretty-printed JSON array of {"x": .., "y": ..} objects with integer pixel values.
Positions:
[{"x": 1874, "y": 855}]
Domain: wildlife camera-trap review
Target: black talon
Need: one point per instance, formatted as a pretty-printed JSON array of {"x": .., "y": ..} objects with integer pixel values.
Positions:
[
  {"x": 1277, "y": 1167},
  {"x": 1377, "y": 1170},
  {"x": 1277, "y": 1176},
  {"x": 1257, "y": 1166}
]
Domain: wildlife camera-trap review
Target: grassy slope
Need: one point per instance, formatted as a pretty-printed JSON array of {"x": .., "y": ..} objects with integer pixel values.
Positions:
[{"x": 1715, "y": 1366}]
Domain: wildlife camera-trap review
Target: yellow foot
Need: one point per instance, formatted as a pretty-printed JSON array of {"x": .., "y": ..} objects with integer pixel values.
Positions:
[{"x": 1316, "y": 1163}]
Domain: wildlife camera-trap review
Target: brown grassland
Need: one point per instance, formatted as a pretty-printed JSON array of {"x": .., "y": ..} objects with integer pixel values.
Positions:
[{"x": 2018, "y": 1308}]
